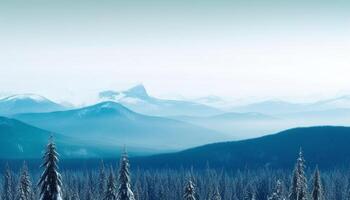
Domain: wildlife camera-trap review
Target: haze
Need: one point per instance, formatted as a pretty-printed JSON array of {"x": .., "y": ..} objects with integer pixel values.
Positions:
[{"x": 70, "y": 50}]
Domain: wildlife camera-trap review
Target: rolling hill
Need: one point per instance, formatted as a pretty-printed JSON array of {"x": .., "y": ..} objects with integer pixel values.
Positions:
[
  {"x": 22, "y": 141},
  {"x": 326, "y": 146},
  {"x": 112, "y": 123}
]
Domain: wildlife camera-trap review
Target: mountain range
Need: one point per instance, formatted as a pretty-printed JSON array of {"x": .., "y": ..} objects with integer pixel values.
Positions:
[
  {"x": 138, "y": 100},
  {"x": 277, "y": 107},
  {"x": 135, "y": 118},
  {"x": 326, "y": 146},
  {"x": 112, "y": 123},
  {"x": 27, "y": 103}
]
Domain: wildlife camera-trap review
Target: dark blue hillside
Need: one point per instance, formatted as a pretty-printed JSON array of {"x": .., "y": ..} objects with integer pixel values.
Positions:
[
  {"x": 19, "y": 140},
  {"x": 326, "y": 146}
]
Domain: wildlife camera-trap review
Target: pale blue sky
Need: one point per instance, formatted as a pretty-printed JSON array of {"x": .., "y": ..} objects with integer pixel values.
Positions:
[{"x": 236, "y": 49}]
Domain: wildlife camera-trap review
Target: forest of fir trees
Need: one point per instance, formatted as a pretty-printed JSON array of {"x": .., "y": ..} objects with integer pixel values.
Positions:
[{"x": 114, "y": 183}]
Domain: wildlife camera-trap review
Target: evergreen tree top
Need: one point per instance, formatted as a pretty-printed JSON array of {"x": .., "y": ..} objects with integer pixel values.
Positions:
[
  {"x": 50, "y": 181},
  {"x": 189, "y": 193},
  {"x": 124, "y": 190}
]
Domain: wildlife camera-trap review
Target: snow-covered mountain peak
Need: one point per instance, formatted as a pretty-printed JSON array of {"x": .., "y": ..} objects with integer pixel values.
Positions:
[
  {"x": 32, "y": 97},
  {"x": 137, "y": 91},
  {"x": 138, "y": 100},
  {"x": 107, "y": 105},
  {"x": 27, "y": 103}
]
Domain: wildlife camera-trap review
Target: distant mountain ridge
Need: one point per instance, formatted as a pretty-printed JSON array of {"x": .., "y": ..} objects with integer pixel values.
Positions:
[
  {"x": 271, "y": 107},
  {"x": 327, "y": 147},
  {"x": 110, "y": 122},
  {"x": 137, "y": 99},
  {"x": 24, "y": 103},
  {"x": 284, "y": 107}
]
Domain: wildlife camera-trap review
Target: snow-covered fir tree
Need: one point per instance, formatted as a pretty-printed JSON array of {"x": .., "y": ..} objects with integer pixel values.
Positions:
[
  {"x": 294, "y": 188},
  {"x": 89, "y": 195},
  {"x": 75, "y": 196},
  {"x": 7, "y": 193},
  {"x": 249, "y": 193},
  {"x": 50, "y": 182},
  {"x": 90, "y": 188},
  {"x": 216, "y": 194},
  {"x": 317, "y": 191},
  {"x": 278, "y": 192},
  {"x": 190, "y": 193},
  {"x": 298, "y": 189},
  {"x": 102, "y": 180},
  {"x": 25, "y": 185},
  {"x": 124, "y": 189},
  {"x": 110, "y": 193}
]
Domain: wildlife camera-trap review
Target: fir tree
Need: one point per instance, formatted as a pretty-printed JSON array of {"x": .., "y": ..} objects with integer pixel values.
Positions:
[
  {"x": 317, "y": 191},
  {"x": 25, "y": 185},
  {"x": 89, "y": 195},
  {"x": 89, "y": 188},
  {"x": 124, "y": 190},
  {"x": 216, "y": 194},
  {"x": 278, "y": 192},
  {"x": 189, "y": 191},
  {"x": 50, "y": 181},
  {"x": 294, "y": 189},
  {"x": 75, "y": 196},
  {"x": 298, "y": 189},
  {"x": 110, "y": 193},
  {"x": 249, "y": 193},
  {"x": 7, "y": 185},
  {"x": 102, "y": 180},
  {"x": 303, "y": 192}
]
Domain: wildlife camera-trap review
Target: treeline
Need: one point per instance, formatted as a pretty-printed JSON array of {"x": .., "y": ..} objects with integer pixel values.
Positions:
[{"x": 114, "y": 183}]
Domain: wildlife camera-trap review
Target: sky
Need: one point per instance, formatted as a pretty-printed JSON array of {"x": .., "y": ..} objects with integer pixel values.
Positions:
[{"x": 237, "y": 49}]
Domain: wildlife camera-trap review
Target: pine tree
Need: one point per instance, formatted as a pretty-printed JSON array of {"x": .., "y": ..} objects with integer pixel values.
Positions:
[
  {"x": 25, "y": 185},
  {"x": 75, "y": 196},
  {"x": 189, "y": 191},
  {"x": 89, "y": 188},
  {"x": 102, "y": 180},
  {"x": 216, "y": 194},
  {"x": 110, "y": 193},
  {"x": 89, "y": 195},
  {"x": 278, "y": 192},
  {"x": 249, "y": 193},
  {"x": 303, "y": 191},
  {"x": 317, "y": 191},
  {"x": 294, "y": 189},
  {"x": 50, "y": 181},
  {"x": 124, "y": 190},
  {"x": 7, "y": 185},
  {"x": 298, "y": 189}
]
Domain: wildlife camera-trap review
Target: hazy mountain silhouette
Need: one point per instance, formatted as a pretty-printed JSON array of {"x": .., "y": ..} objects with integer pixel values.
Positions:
[
  {"x": 112, "y": 123},
  {"x": 137, "y": 99}
]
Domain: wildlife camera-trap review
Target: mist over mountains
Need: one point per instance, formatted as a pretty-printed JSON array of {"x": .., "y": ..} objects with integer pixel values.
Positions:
[
  {"x": 148, "y": 124},
  {"x": 112, "y": 123}
]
